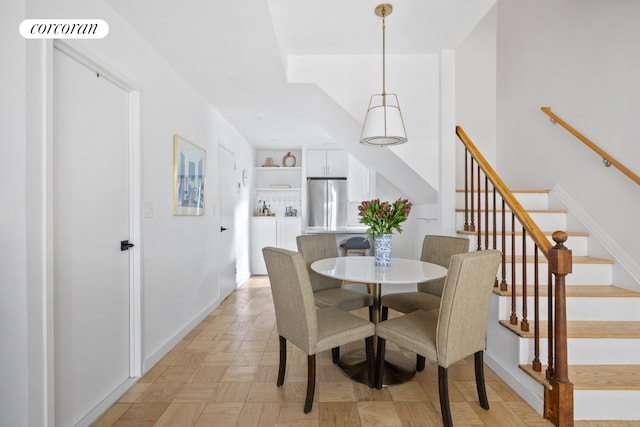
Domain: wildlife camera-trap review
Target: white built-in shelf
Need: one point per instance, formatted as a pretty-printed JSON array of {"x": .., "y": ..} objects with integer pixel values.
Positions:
[{"x": 278, "y": 168}]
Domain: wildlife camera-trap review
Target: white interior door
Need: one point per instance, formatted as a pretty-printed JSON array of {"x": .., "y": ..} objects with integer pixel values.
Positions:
[
  {"x": 228, "y": 200},
  {"x": 91, "y": 290}
]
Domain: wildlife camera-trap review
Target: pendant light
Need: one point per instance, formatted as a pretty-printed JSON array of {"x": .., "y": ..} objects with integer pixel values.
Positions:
[{"x": 383, "y": 124}]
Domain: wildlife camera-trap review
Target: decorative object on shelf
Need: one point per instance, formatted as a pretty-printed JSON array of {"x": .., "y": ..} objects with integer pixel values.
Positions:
[
  {"x": 289, "y": 160},
  {"x": 382, "y": 218},
  {"x": 189, "y": 163},
  {"x": 383, "y": 124},
  {"x": 269, "y": 163},
  {"x": 290, "y": 211},
  {"x": 263, "y": 209}
]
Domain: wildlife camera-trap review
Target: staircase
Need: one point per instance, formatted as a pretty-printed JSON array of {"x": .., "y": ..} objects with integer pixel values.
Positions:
[{"x": 603, "y": 325}]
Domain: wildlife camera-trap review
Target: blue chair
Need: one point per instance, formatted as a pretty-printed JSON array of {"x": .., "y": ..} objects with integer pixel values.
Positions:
[{"x": 358, "y": 246}]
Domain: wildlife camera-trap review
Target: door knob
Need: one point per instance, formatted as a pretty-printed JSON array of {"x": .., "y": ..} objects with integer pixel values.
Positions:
[
  {"x": 223, "y": 229},
  {"x": 125, "y": 245}
]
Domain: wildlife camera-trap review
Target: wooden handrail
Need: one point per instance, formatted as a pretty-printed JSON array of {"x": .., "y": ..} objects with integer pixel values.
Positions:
[
  {"x": 534, "y": 231},
  {"x": 606, "y": 157}
]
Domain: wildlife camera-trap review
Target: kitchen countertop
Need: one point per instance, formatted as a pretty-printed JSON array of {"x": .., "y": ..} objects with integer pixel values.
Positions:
[
  {"x": 276, "y": 216},
  {"x": 339, "y": 230}
]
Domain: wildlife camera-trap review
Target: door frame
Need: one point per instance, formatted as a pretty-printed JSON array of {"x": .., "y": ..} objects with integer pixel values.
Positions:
[{"x": 135, "y": 209}]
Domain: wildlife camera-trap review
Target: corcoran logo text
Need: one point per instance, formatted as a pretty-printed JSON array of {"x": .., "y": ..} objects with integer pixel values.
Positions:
[{"x": 64, "y": 28}]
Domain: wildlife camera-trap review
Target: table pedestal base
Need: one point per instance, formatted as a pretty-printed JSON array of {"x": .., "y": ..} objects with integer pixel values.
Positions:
[{"x": 397, "y": 368}]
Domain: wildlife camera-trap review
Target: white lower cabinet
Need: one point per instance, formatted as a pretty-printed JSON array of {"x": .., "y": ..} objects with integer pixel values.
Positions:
[{"x": 276, "y": 232}]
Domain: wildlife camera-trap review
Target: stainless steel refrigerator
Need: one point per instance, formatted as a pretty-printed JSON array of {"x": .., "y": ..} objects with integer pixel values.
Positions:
[{"x": 327, "y": 202}]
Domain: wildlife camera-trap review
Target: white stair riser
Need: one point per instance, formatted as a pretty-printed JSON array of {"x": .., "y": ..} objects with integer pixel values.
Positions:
[
  {"x": 546, "y": 221},
  {"x": 588, "y": 351},
  {"x": 577, "y": 244},
  {"x": 582, "y": 274},
  {"x": 606, "y": 404},
  {"x": 527, "y": 200},
  {"x": 578, "y": 309}
]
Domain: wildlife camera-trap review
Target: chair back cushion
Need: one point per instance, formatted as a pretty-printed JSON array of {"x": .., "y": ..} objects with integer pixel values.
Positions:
[
  {"x": 293, "y": 300},
  {"x": 314, "y": 247},
  {"x": 438, "y": 249},
  {"x": 464, "y": 306}
]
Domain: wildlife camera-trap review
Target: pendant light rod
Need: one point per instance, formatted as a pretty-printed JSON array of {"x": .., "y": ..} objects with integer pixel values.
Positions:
[{"x": 383, "y": 10}]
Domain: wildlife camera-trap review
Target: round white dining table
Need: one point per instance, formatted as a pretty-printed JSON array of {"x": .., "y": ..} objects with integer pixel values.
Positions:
[{"x": 362, "y": 269}]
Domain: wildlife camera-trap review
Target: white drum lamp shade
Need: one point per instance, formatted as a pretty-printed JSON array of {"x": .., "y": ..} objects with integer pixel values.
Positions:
[{"x": 383, "y": 124}]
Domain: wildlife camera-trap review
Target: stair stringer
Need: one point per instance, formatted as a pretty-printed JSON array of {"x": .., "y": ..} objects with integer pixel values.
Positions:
[
  {"x": 502, "y": 355},
  {"x": 627, "y": 267}
]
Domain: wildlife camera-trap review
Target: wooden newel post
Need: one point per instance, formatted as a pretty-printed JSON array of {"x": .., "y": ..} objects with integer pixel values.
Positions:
[{"x": 559, "y": 399}]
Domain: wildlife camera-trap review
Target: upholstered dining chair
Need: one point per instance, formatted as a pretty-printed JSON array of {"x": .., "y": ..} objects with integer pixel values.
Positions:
[
  {"x": 328, "y": 291},
  {"x": 438, "y": 250},
  {"x": 435, "y": 249},
  {"x": 458, "y": 331},
  {"x": 309, "y": 328}
]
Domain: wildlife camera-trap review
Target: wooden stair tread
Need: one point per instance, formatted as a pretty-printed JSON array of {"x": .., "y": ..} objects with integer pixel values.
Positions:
[
  {"x": 595, "y": 377},
  {"x": 600, "y": 291},
  {"x": 583, "y": 329},
  {"x": 575, "y": 259}
]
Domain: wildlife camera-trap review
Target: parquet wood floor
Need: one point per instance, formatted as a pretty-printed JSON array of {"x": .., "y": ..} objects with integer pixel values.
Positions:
[{"x": 224, "y": 373}]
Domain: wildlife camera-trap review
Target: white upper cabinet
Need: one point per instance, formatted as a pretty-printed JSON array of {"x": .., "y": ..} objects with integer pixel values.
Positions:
[
  {"x": 359, "y": 182},
  {"x": 327, "y": 162}
]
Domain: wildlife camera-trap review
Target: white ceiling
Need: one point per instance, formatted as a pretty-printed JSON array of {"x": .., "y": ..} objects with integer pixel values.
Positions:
[{"x": 234, "y": 52}]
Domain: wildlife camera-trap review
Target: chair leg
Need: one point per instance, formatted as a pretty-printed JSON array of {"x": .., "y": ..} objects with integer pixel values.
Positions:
[
  {"x": 443, "y": 388},
  {"x": 283, "y": 361},
  {"x": 370, "y": 361},
  {"x": 380, "y": 362},
  {"x": 311, "y": 382},
  {"x": 420, "y": 363},
  {"x": 335, "y": 355},
  {"x": 384, "y": 313},
  {"x": 482, "y": 391}
]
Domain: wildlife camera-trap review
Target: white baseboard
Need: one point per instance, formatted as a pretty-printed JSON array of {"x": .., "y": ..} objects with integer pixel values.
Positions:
[
  {"x": 149, "y": 362},
  {"x": 535, "y": 401},
  {"x": 107, "y": 403},
  {"x": 242, "y": 278},
  {"x": 155, "y": 356}
]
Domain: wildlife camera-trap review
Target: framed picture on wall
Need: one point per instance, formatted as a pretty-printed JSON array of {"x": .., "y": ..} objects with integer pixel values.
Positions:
[{"x": 189, "y": 166}]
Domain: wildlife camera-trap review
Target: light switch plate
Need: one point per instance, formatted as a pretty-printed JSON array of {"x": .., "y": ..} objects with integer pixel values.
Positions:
[{"x": 147, "y": 209}]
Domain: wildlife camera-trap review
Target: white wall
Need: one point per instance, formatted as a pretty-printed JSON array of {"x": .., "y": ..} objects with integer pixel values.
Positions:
[
  {"x": 581, "y": 59},
  {"x": 13, "y": 232},
  {"x": 180, "y": 283},
  {"x": 476, "y": 90}
]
